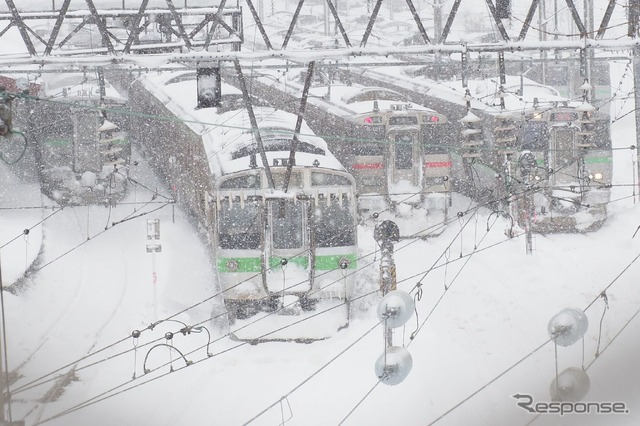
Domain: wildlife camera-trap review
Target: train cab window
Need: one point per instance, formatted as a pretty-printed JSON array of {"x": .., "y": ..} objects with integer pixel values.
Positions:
[
  {"x": 294, "y": 182},
  {"x": 86, "y": 127},
  {"x": 287, "y": 224},
  {"x": 242, "y": 182},
  {"x": 563, "y": 116},
  {"x": 334, "y": 225},
  {"x": 403, "y": 147},
  {"x": 59, "y": 127},
  {"x": 327, "y": 179},
  {"x": 369, "y": 149},
  {"x": 563, "y": 145},
  {"x": 435, "y": 139},
  {"x": 239, "y": 227},
  {"x": 403, "y": 120},
  {"x": 534, "y": 135}
]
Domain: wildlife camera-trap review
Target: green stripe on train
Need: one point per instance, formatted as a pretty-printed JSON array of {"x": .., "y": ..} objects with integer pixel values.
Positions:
[
  {"x": 587, "y": 160},
  {"x": 594, "y": 160},
  {"x": 245, "y": 264},
  {"x": 253, "y": 264},
  {"x": 275, "y": 262},
  {"x": 327, "y": 263}
]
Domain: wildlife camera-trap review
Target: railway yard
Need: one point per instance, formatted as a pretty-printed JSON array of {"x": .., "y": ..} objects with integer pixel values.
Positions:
[{"x": 225, "y": 222}]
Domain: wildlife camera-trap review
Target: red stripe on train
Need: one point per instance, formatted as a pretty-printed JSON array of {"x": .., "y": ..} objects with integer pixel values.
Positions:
[
  {"x": 368, "y": 166},
  {"x": 438, "y": 164}
]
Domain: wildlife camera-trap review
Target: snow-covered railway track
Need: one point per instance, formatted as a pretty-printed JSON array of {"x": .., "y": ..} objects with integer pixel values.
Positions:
[{"x": 72, "y": 264}]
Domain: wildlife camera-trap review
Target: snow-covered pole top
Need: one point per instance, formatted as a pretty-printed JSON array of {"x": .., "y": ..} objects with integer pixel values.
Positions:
[{"x": 470, "y": 118}]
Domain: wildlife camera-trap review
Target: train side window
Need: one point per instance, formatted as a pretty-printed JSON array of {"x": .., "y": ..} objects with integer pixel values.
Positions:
[
  {"x": 334, "y": 225},
  {"x": 286, "y": 224},
  {"x": 403, "y": 151},
  {"x": 239, "y": 228}
]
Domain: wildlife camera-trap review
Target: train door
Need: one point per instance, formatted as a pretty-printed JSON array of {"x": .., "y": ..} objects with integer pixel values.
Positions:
[
  {"x": 404, "y": 155},
  {"x": 562, "y": 155},
  {"x": 288, "y": 252}
]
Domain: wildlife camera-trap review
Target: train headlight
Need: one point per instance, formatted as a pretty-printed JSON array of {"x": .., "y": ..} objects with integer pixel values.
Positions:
[
  {"x": 232, "y": 265},
  {"x": 596, "y": 176},
  {"x": 344, "y": 263}
]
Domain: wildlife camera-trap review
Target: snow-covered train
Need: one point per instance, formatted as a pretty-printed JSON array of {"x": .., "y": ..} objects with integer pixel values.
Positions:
[
  {"x": 82, "y": 157},
  {"x": 568, "y": 140},
  {"x": 392, "y": 146},
  {"x": 546, "y": 158},
  {"x": 277, "y": 250}
]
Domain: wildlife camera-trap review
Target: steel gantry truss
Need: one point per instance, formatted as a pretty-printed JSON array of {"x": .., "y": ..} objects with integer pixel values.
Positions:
[
  {"x": 126, "y": 30},
  {"x": 208, "y": 36},
  {"x": 124, "y": 33}
]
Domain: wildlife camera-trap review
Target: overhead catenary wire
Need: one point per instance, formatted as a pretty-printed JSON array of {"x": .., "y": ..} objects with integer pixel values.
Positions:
[
  {"x": 172, "y": 118},
  {"x": 538, "y": 348},
  {"x": 184, "y": 310},
  {"x": 599, "y": 296},
  {"x": 158, "y": 322},
  {"x": 219, "y": 293},
  {"x": 89, "y": 238},
  {"x": 434, "y": 268},
  {"x": 107, "y": 394}
]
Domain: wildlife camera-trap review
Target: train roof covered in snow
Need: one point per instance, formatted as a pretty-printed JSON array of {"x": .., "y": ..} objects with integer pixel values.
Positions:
[{"x": 228, "y": 138}]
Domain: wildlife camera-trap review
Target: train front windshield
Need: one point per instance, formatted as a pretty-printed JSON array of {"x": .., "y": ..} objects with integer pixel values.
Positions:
[
  {"x": 404, "y": 151},
  {"x": 563, "y": 165},
  {"x": 334, "y": 225},
  {"x": 239, "y": 226},
  {"x": 287, "y": 224}
]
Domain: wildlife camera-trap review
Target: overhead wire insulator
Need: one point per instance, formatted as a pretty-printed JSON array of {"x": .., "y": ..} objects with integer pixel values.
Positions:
[
  {"x": 568, "y": 326},
  {"x": 471, "y": 135},
  {"x": 395, "y": 308},
  {"x": 394, "y": 365},
  {"x": 572, "y": 385},
  {"x": 587, "y": 125},
  {"x": 505, "y": 135}
]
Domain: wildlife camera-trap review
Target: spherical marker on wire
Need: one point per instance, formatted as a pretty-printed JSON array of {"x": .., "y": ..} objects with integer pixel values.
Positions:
[
  {"x": 572, "y": 385},
  {"x": 396, "y": 308},
  {"x": 394, "y": 365},
  {"x": 568, "y": 326}
]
